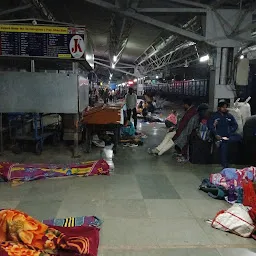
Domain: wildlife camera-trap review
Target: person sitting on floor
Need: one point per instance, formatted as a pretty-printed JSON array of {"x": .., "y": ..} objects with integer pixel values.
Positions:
[
  {"x": 186, "y": 126},
  {"x": 140, "y": 107},
  {"x": 171, "y": 120},
  {"x": 165, "y": 145},
  {"x": 128, "y": 129},
  {"x": 184, "y": 131},
  {"x": 223, "y": 126}
]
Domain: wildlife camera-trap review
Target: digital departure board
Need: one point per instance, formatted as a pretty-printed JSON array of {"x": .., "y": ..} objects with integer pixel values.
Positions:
[{"x": 42, "y": 41}]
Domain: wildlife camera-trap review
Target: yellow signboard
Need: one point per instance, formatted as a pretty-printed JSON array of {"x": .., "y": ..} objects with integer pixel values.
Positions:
[
  {"x": 33, "y": 29},
  {"x": 65, "y": 56}
]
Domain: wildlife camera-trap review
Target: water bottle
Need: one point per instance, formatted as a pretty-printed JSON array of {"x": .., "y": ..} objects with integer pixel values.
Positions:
[{"x": 232, "y": 197}]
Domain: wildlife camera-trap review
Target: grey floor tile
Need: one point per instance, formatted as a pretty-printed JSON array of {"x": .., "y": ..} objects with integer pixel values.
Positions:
[
  {"x": 123, "y": 233},
  {"x": 8, "y": 204},
  {"x": 167, "y": 208},
  {"x": 203, "y": 252},
  {"x": 183, "y": 177},
  {"x": 14, "y": 193},
  {"x": 78, "y": 206},
  {"x": 148, "y": 252},
  {"x": 190, "y": 191},
  {"x": 122, "y": 191},
  {"x": 206, "y": 208},
  {"x": 156, "y": 187},
  {"x": 40, "y": 209},
  {"x": 237, "y": 252},
  {"x": 125, "y": 209},
  {"x": 179, "y": 232}
]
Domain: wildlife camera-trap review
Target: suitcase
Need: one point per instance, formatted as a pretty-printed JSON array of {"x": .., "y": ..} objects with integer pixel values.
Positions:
[
  {"x": 199, "y": 151},
  {"x": 235, "y": 153},
  {"x": 249, "y": 140}
]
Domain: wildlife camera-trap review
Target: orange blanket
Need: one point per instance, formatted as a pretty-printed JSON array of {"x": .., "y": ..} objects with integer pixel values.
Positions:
[{"x": 21, "y": 235}]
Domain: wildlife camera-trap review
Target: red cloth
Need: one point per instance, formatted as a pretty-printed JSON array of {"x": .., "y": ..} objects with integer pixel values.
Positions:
[
  {"x": 249, "y": 198},
  {"x": 184, "y": 121},
  {"x": 90, "y": 233}
]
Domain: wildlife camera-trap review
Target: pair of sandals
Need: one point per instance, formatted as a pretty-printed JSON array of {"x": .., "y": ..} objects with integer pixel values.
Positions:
[{"x": 180, "y": 158}]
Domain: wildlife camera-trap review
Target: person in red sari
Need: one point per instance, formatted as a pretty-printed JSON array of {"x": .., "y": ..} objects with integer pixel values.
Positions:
[{"x": 187, "y": 124}]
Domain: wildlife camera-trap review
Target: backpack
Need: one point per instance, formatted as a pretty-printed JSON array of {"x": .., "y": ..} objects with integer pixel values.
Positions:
[{"x": 203, "y": 132}]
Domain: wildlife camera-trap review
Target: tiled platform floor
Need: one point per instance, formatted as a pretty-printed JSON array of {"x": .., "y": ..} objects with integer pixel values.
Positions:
[{"x": 150, "y": 205}]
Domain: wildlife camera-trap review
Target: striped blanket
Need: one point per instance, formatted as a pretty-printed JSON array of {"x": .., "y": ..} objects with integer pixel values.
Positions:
[{"x": 86, "y": 221}]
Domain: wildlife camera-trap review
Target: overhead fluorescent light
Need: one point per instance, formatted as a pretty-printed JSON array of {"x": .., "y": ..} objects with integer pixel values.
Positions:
[
  {"x": 113, "y": 65},
  {"x": 135, "y": 80},
  {"x": 204, "y": 58},
  {"x": 157, "y": 77},
  {"x": 241, "y": 57},
  {"x": 115, "y": 58}
]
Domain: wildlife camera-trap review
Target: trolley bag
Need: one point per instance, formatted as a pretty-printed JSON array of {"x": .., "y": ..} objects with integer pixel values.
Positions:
[
  {"x": 199, "y": 151},
  {"x": 249, "y": 140},
  {"x": 235, "y": 220}
]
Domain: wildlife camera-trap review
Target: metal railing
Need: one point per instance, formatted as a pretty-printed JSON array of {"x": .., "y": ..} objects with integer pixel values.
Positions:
[{"x": 191, "y": 88}]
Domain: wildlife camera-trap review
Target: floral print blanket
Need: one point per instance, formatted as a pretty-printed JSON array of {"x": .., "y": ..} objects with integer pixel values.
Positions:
[{"x": 22, "y": 235}]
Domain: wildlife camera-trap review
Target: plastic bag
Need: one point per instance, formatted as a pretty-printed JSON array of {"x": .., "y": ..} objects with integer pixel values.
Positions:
[{"x": 235, "y": 220}]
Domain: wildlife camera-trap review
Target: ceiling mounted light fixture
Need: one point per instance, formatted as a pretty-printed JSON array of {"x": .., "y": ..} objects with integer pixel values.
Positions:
[
  {"x": 204, "y": 58},
  {"x": 115, "y": 58},
  {"x": 241, "y": 57}
]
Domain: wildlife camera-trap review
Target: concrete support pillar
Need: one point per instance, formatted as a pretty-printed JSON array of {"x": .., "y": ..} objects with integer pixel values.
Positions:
[
  {"x": 32, "y": 66},
  {"x": 219, "y": 88},
  {"x": 224, "y": 66},
  {"x": 76, "y": 117}
]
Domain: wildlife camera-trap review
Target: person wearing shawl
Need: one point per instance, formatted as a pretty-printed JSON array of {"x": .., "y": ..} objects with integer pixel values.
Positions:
[
  {"x": 187, "y": 124},
  {"x": 180, "y": 138}
]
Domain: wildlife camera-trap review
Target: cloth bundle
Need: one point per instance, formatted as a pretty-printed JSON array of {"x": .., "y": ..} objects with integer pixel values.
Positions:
[{"x": 235, "y": 220}]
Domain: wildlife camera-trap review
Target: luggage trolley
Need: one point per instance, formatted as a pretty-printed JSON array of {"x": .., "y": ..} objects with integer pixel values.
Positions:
[{"x": 31, "y": 129}]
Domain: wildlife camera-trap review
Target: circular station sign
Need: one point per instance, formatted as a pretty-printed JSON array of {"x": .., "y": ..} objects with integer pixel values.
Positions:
[{"x": 77, "y": 47}]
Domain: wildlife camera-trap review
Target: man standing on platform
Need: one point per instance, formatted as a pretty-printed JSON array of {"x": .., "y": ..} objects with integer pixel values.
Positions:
[{"x": 131, "y": 104}]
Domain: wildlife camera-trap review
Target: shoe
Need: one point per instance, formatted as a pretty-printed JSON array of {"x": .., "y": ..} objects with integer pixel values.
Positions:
[
  {"x": 144, "y": 136},
  {"x": 182, "y": 160},
  {"x": 100, "y": 144},
  {"x": 133, "y": 145},
  {"x": 175, "y": 154}
]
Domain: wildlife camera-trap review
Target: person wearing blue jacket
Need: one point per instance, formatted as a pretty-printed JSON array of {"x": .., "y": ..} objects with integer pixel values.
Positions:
[{"x": 223, "y": 126}]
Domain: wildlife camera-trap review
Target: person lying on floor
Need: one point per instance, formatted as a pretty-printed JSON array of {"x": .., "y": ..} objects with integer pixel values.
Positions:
[
  {"x": 180, "y": 137},
  {"x": 223, "y": 126}
]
